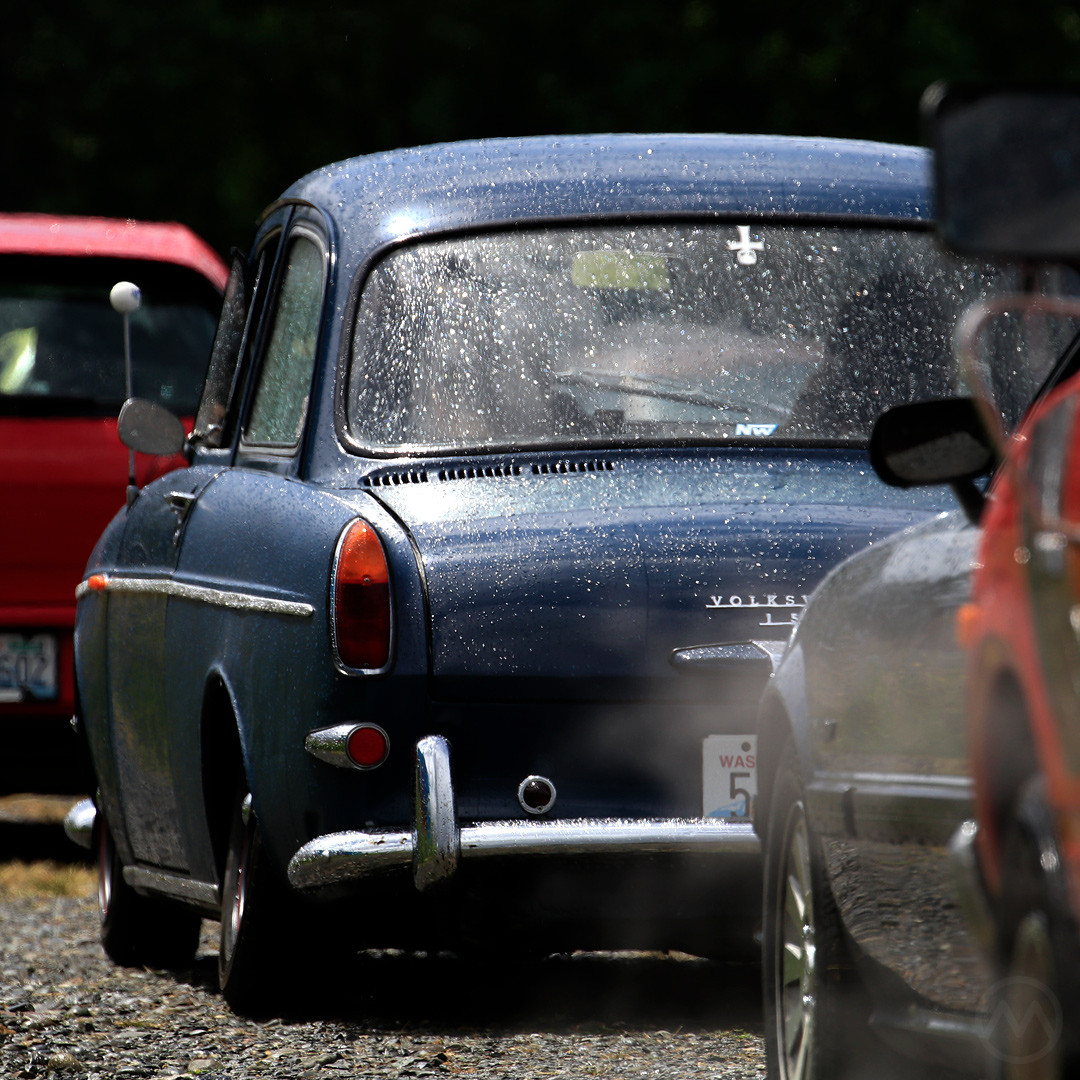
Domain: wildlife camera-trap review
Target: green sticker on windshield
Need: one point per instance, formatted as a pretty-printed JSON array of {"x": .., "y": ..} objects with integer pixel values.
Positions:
[{"x": 620, "y": 270}]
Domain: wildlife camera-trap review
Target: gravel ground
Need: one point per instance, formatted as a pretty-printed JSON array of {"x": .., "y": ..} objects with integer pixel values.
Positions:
[{"x": 66, "y": 1012}]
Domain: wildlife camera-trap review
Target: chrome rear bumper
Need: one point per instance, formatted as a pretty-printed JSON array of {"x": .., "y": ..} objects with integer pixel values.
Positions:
[{"x": 437, "y": 842}]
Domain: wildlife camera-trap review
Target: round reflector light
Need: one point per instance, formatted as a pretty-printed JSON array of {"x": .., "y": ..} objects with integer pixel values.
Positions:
[
  {"x": 536, "y": 794},
  {"x": 368, "y": 746}
]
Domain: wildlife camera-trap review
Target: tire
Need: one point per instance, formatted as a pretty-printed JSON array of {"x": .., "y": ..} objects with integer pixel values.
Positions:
[
  {"x": 258, "y": 955},
  {"x": 1038, "y": 953},
  {"x": 136, "y": 930},
  {"x": 813, "y": 1002}
]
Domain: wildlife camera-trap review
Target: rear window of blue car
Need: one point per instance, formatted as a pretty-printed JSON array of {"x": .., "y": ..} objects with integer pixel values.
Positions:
[{"x": 655, "y": 333}]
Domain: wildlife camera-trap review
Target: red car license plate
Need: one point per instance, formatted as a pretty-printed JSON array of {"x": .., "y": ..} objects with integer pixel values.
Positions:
[{"x": 27, "y": 667}]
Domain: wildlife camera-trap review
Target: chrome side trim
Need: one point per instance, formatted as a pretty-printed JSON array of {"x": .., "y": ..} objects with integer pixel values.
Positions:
[
  {"x": 79, "y": 823},
  {"x": 890, "y": 783},
  {"x": 228, "y": 598},
  {"x": 890, "y": 806},
  {"x": 349, "y": 856},
  {"x": 436, "y": 847},
  {"x": 203, "y": 893}
]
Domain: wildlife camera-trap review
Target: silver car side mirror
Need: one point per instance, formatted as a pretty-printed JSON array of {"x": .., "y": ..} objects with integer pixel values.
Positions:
[{"x": 150, "y": 428}]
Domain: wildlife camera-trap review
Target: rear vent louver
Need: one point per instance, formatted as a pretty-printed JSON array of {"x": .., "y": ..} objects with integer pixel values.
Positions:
[
  {"x": 393, "y": 479},
  {"x": 398, "y": 477},
  {"x": 546, "y": 468},
  {"x": 473, "y": 472}
]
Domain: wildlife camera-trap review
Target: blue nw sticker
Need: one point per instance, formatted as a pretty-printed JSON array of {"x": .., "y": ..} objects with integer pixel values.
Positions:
[{"x": 755, "y": 429}]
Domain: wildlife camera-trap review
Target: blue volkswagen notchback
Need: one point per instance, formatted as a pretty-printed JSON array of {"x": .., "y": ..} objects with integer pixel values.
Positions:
[{"x": 515, "y": 463}]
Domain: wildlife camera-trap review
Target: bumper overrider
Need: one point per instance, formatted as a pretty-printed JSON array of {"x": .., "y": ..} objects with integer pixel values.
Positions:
[{"x": 438, "y": 842}]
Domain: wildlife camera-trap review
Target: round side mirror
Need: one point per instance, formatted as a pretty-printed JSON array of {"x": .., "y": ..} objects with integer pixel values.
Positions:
[{"x": 150, "y": 428}]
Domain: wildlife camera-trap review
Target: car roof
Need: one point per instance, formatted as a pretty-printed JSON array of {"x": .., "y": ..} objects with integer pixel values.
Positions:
[
  {"x": 63, "y": 235},
  {"x": 379, "y": 198}
]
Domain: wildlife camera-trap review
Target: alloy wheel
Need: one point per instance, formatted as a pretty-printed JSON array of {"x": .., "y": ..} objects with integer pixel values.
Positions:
[{"x": 796, "y": 957}]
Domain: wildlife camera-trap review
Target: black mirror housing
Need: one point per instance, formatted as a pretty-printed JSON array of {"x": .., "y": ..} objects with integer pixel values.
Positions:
[{"x": 931, "y": 442}]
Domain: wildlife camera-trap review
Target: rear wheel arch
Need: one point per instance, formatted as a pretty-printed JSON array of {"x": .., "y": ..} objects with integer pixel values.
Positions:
[
  {"x": 781, "y": 722},
  {"x": 222, "y": 764},
  {"x": 774, "y": 734}
]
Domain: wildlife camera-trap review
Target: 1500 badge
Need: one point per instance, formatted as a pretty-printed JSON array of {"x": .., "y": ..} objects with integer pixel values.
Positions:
[{"x": 779, "y": 609}]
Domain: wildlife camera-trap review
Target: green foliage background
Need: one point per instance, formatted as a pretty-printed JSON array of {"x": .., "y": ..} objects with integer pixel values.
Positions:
[{"x": 204, "y": 111}]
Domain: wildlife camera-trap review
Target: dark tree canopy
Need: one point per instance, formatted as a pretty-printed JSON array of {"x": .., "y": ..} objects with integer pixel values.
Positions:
[{"x": 204, "y": 111}]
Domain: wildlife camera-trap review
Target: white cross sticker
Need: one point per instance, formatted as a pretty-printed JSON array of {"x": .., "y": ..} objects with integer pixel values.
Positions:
[{"x": 746, "y": 247}]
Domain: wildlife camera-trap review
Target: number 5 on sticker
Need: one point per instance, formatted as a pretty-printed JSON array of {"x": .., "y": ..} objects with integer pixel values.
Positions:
[{"x": 729, "y": 776}]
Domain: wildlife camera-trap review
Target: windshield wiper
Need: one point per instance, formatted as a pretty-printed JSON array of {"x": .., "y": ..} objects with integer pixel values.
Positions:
[{"x": 651, "y": 386}]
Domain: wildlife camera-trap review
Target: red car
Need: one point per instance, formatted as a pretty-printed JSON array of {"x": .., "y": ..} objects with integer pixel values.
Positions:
[{"x": 63, "y": 471}]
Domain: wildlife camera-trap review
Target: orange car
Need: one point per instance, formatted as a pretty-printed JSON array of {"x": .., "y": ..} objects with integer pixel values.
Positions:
[
  {"x": 62, "y": 468},
  {"x": 1020, "y": 856},
  {"x": 1024, "y": 677},
  {"x": 1023, "y": 699}
]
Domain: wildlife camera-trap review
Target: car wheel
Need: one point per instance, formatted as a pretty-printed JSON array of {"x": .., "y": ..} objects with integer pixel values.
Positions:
[
  {"x": 812, "y": 1004},
  {"x": 257, "y": 955},
  {"x": 136, "y": 930},
  {"x": 1038, "y": 949}
]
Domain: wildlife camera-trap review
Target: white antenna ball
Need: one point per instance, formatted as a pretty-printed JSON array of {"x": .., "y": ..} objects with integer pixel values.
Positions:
[{"x": 125, "y": 297}]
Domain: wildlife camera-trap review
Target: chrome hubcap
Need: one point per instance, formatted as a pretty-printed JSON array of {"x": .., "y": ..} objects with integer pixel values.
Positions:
[
  {"x": 105, "y": 871},
  {"x": 795, "y": 1001},
  {"x": 235, "y": 918}
]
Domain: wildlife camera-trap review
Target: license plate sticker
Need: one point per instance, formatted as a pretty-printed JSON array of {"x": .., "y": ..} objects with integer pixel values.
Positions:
[
  {"x": 729, "y": 776},
  {"x": 27, "y": 667}
]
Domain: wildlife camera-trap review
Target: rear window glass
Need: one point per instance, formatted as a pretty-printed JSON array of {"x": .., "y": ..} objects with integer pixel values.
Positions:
[
  {"x": 62, "y": 344},
  {"x": 655, "y": 333}
]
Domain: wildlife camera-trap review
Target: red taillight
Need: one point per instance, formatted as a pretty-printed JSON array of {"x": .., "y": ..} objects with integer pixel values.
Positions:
[
  {"x": 361, "y": 594},
  {"x": 368, "y": 746}
]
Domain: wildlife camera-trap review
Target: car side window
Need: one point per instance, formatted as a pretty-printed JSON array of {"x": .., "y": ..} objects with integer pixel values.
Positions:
[
  {"x": 221, "y": 376},
  {"x": 280, "y": 401}
]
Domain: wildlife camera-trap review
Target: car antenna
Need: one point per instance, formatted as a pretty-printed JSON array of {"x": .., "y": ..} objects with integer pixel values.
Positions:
[{"x": 126, "y": 297}]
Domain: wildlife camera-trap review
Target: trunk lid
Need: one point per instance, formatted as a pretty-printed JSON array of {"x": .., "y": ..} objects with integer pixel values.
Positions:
[{"x": 601, "y": 577}]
